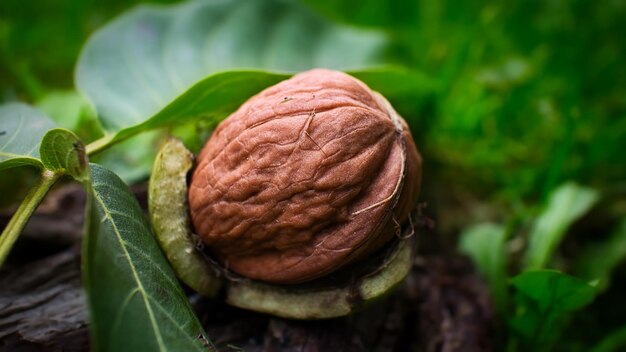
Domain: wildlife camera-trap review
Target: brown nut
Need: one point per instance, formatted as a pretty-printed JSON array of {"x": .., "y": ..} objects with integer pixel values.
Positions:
[
  {"x": 345, "y": 291},
  {"x": 309, "y": 175}
]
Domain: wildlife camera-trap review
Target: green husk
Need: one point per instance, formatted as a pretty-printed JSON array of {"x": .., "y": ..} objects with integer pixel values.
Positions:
[
  {"x": 167, "y": 202},
  {"x": 306, "y": 302}
]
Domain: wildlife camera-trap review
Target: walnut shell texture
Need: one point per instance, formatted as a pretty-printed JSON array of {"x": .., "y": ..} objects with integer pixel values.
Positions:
[{"x": 307, "y": 176}]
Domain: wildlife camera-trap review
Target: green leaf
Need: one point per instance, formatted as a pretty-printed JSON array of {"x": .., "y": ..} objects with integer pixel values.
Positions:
[
  {"x": 21, "y": 130},
  {"x": 71, "y": 111},
  {"x": 615, "y": 341},
  {"x": 135, "y": 301},
  {"x": 543, "y": 299},
  {"x": 389, "y": 14},
  {"x": 141, "y": 61},
  {"x": 554, "y": 291},
  {"x": 598, "y": 261},
  {"x": 214, "y": 97},
  {"x": 62, "y": 152},
  {"x": 485, "y": 244},
  {"x": 395, "y": 82},
  {"x": 565, "y": 205},
  {"x": 218, "y": 95},
  {"x": 131, "y": 159}
]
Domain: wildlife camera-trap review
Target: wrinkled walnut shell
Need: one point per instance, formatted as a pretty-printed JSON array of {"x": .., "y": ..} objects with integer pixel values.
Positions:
[
  {"x": 306, "y": 177},
  {"x": 345, "y": 291}
]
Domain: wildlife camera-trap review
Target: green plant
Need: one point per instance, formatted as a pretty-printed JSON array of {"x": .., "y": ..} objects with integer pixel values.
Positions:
[
  {"x": 134, "y": 298},
  {"x": 543, "y": 300},
  {"x": 520, "y": 98}
]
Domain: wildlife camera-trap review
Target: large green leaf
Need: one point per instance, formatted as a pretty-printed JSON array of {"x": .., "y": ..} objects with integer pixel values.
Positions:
[
  {"x": 212, "y": 98},
  {"x": 21, "y": 131},
  {"x": 140, "y": 62},
  {"x": 215, "y": 97},
  {"x": 389, "y": 14},
  {"x": 566, "y": 204},
  {"x": 218, "y": 95},
  {"x": 135, "y": 301},
  {"x": 543, "y": 299}
]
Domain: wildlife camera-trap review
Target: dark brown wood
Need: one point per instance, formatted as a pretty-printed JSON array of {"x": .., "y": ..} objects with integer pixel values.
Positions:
[{"x": 42, "y": 305}]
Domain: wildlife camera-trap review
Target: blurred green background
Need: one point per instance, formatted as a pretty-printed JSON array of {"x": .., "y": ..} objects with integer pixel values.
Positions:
[{"x": 529, "y": 95}]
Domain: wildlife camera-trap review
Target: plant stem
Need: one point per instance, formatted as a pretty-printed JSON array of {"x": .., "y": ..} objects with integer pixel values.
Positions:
[
  {"x": 24, "y": 211},
  {"x": 99, "y": 145}
]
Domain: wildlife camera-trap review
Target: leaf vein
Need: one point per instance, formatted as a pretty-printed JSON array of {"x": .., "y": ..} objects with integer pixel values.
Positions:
[{"x": 140, "y": 287}]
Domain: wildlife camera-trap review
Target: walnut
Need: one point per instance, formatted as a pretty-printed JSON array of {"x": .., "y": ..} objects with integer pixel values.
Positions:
[{"x": 310, "y": 175}]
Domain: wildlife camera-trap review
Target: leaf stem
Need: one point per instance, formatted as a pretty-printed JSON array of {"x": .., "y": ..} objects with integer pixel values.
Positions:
[
  {"x": 24, "y": 211},
  {"x": 99, "y": 144}
]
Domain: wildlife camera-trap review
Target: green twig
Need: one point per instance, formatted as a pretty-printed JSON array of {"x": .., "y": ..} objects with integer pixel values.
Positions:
[
  {"x": 23, "y": 213},
  {"x": 99, "y": 145}
]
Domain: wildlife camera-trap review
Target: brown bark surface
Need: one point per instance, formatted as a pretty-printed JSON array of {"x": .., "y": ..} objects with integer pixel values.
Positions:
[{"x": 442, "y": 306}]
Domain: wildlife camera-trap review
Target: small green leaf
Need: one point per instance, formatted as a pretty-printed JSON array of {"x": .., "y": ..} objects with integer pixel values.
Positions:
[
  {"x": 62, "y": 152},
  {"x": 485, "y": 244},
  {"x": 135, "y": 301},
  {"x": 598, "y": 261},
  {"x": 140, "y": 62},
  {"x": 613, "y": 342},
  {"x": 21, "y": 130},
  {"x": 543, "y": 298},
  {"x": 566, "y": 204},
  {"x": 554, "y": 291}
]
